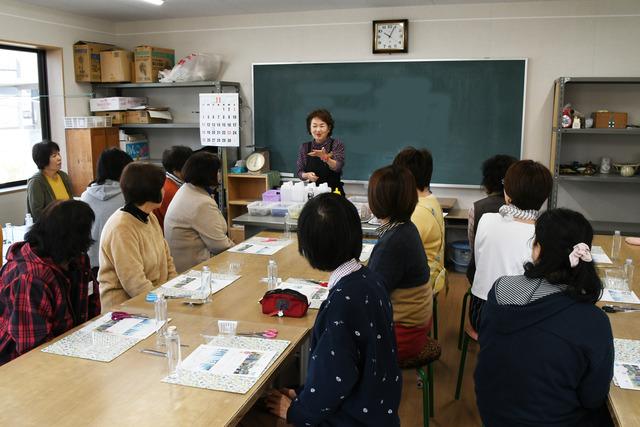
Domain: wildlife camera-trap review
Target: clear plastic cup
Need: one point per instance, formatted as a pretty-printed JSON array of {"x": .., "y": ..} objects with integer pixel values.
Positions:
[{"x": 227, "y": 327}]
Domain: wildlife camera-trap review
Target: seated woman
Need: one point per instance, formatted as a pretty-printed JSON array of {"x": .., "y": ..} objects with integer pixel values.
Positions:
[
  {"x": 134, "y": 257},
  {"x": 322, "y": 159},
  {"x": 353, "y": 376},
  {"x": 49, "y": 183},
  {"x": 400, "y": 259},
  {"x": 427, "y": 216},
  {"x": 493, "y": 171},
  {"x": 47, "y": 287},
  {"x": 546, "y": 351},
  {"x": 173, "y": 160},
  {"x": 503, "y": 241},
  {"x": 104, "y": 195},
  {"x": 194, "y": 226}
]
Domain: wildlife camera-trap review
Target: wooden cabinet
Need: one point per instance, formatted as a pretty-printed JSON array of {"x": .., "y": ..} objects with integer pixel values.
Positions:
[
  {"x": 84, "y": 146},
  {"x": 608, "y": 200},
  {"x": 244, "y": 188}
]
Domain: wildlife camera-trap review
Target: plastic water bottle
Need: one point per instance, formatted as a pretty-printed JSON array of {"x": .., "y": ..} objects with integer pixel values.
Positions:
[
  {"x": 160, "y": 307},
  {"x": 272, "y": 275},
  {"x": 28, "y": 222},
  {"x": 8, "y": 233},
  {"x": 205, "y": 284},
  {"x": 174, "y": 356},
  {"x": 287, "y": 226},
  {"x": 616, "y": 243},
  {"x": 628, "y": 269}
]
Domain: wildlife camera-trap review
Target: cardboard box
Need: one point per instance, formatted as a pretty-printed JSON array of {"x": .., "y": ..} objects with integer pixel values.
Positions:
[
  {"x": 138, "y": 150},
  {"x": 86, "y": 60},
  {"x": 115, "y": 65},
  {"x": 148, "y": 60},
  {"x": 117, "y": 117},
  {"x": 127, "y": 137},
  {"x": 147, "y": 116},
  {"x": 609, "y": 119},
  {"x": 116, "y": 103}
]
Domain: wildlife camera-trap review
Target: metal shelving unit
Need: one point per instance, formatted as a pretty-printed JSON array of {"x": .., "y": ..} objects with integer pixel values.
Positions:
[
  {"x": 561, "y": 138},
  {"x": 217, "y": 86}
]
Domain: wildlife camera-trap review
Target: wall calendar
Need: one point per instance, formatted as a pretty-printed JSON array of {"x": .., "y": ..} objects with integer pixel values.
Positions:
[{"x": 219, "y": 119}]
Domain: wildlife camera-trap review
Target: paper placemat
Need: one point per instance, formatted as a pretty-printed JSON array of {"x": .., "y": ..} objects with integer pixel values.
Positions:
[
  {"x": 96, "y": 342},
  {"x": 188, "y": 284},
  {"x": 235, "y": 383}
]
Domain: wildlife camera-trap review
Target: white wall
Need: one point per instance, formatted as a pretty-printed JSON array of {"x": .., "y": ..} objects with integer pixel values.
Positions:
[
  {"x": 560, "y": 38},
  {"x": 57, "y": 32}
]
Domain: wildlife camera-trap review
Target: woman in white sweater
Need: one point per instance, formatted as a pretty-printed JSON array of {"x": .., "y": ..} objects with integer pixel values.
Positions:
[
  {"x": 504, "y": 240},
  {"x": 193, "y": 225}
]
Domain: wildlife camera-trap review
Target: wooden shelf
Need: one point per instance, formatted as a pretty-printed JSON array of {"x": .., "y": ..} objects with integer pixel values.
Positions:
[{"x": 608, "y": 178}]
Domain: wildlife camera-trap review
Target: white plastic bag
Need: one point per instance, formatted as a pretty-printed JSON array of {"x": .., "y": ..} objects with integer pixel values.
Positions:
[{"x": 193, "y": 68}]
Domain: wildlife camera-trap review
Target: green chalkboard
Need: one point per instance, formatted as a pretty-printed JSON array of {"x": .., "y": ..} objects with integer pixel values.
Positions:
[{"x": 462, "y": 111}]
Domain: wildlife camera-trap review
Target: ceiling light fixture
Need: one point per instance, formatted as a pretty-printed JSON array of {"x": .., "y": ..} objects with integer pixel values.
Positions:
[{"x": 155, "y": 2}]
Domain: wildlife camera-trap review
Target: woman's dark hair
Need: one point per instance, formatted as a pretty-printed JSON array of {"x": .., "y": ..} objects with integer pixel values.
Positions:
[
  {"x": 392, "y": 193},
  {"x": 141, "y": 183},
  {"x": 201, "y": 170},
  {"x": 528, "y": 184},
  {"x": 63, "y": 231},
  {"x": 174, "y": 158},
  {"x": 493, "y": 171},
  {"x": 419, "y": 163},
  {"x": 42, "y": 151},
  {"x": 329, "y": 232},
  {"x": 557, "y": 232},
  {"x": 111, "y": 163},
  {"x": 323, "y": 115}
]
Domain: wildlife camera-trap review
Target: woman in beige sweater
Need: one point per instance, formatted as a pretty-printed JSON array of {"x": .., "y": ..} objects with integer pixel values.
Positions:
[
  {"x": 134, "y": 257},
  {"x": 194, "y": 226}
]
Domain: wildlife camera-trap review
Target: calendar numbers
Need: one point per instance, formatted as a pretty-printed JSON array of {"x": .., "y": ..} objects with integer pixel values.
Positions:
[{"x": 219, "y": 119}]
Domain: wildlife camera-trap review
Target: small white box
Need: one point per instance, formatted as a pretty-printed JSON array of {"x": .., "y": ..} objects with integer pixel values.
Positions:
[
  {"x": 116, "y": 103},
  {"x": 87, "y": 122}
]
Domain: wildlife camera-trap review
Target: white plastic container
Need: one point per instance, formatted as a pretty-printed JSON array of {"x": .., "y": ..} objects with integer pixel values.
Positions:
[
  {"x": 260, "y": 208},
  {"x": 87, "y": 122},
  {"x": 286, "y": 192},
  {"x": 299, "y": 192},
  {"x": 280, "y": 209}
]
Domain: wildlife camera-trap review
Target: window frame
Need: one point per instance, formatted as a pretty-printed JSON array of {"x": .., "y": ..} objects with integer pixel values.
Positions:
[{"x": 43, "y": 93}]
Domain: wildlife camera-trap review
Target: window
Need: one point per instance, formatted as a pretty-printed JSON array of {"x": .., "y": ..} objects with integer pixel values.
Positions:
[{"x": 24, "y": 111}]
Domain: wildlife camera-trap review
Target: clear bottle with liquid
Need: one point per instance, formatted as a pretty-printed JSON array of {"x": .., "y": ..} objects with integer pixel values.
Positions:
[
  {"x": 174, "y": 356},
  {"x": 629, "y": 270},
  {"x": 272, "y": 275},
  {"x": 205, "y": 284},
  {"x": 287, "y": 226},
  {"x": 160, "y": 308},
  {"x": 28, "y": 221},
  {"x": 616, "y": 243}
]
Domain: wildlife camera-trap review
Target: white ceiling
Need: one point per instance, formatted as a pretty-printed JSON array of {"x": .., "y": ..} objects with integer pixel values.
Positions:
[{"x": 136, "y": 10}]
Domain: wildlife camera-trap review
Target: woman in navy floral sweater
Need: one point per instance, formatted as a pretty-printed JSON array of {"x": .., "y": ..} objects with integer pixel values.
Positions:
[{"x": 353, "y": 377}]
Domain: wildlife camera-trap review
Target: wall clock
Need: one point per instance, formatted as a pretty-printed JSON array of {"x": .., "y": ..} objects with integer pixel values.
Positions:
[
  {"x": 255, "y": 162},
  {"x": 391, "y": 36}
]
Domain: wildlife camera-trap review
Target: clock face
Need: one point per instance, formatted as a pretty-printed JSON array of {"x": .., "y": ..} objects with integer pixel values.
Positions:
[
  {"x": 255, "y": 162},
  {"x": 390, "y": 36}
]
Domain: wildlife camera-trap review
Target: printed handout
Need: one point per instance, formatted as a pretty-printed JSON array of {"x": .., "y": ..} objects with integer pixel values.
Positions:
[
  {"x": 261, "y": 246},
  {"x": 228, "y": 361}
]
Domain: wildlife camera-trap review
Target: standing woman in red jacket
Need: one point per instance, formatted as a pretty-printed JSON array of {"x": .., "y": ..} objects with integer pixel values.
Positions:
[{"x": 47, "y": 287}]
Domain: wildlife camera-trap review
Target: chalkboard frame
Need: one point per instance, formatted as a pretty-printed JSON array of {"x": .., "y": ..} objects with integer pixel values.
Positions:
[{"x": 524, "y": 60}]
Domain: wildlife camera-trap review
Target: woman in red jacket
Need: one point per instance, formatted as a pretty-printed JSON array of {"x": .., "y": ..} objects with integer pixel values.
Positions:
[{"x": 47, "y": 287}]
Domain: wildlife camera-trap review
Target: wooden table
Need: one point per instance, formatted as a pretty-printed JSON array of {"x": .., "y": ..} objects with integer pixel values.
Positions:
[
  {"x": 45, "y": 389},
  {"x": 624, "y": 405}
]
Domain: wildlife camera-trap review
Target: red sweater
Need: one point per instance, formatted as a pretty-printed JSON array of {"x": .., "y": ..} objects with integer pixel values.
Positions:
[{"x": 170, "y": 188}]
